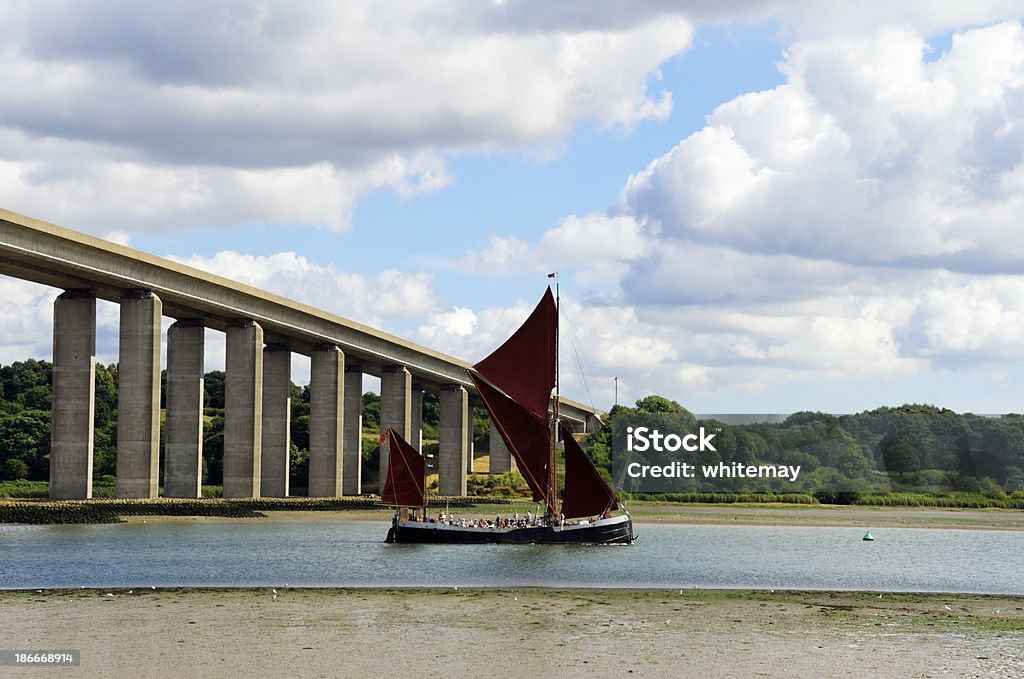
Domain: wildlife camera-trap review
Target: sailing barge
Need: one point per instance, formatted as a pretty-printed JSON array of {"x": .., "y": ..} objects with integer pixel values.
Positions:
[{"x": 515, "y": 383}]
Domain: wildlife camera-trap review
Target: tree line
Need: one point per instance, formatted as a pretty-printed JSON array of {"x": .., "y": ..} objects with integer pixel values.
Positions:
[
  {"x": 26, "y": 400},
  {"x": 912, "y": 447},
  {"x": 909, "y": 447}
]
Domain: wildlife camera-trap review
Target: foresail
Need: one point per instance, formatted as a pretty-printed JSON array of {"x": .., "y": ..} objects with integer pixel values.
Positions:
[
  {"x": 527, "y": 437},
  {"x": 586, "y": 493},
  {"x": 524, "y": 366},
  {"x": 407, "y": 471}
]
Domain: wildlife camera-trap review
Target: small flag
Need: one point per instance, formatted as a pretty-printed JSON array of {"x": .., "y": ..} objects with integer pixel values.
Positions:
[
  {"x": 383, "y": 438},
  {"x": 553, "y": 275}
]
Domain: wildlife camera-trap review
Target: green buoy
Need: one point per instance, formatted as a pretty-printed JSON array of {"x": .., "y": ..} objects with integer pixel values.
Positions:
[{"x": 868, "y": 537}]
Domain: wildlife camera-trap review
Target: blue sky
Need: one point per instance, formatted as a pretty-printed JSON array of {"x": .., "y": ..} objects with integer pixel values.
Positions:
[
  {"x": 522, "y": 192},
  {"x": 755, "y": 207}
]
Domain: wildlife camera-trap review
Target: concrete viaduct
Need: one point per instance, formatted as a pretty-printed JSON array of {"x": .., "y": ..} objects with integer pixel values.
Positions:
[{"x": 262, "y": 330}]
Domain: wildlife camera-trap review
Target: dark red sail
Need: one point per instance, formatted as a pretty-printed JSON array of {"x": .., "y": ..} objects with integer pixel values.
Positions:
[
  {"x": 524, "y": 366},
  {"x": 586, "y": 493},
  {"x": 407, "y": 473},
  {"x": 527, "y": 438}
]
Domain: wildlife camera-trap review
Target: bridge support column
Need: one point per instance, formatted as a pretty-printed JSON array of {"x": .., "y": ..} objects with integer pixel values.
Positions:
[
  {"x": 500, "y": 455},
  {"x": 326, "y": 421},
  {"x": 395, "y": 408},
  {"x": 471, "y": 444},
  {"x": 74, "y": 372},
  {"x": 275, "y": 447},
  {"x": 352, "y": 440},
  {"x": 243, "y": 409},
  {"x": 453, "y": 447},
  {"x": 183, "y": 441},
  {"x": 138, "y": 396},
  {"x": 416, "y": 413}
]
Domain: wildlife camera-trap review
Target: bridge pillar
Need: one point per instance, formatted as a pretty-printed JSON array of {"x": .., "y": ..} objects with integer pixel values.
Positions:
[
  {"x": 243, "y": 409},
  {"x": 74, "y": 373},
  {"x": 326, "y": 421},
  {"x": 352, "y": 440},
  {"x": 395, "y": 408},
  {"x": 138, "y": 396},
  {"x": 275, "y": 447},
  {"x": 500, "y": 455},
  {"x": 454, "y": 434},
  {"x": 183, "y": 440},
  {"x": 416, "y": 413},
  {"x": 471, "y": 444}
]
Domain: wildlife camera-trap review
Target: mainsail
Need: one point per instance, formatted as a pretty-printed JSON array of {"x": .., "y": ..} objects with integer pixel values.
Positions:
[
  {"x": 527, "y": 438},
  {"x": 407, "y": 473},
  {"x": 586, "y": 493}
]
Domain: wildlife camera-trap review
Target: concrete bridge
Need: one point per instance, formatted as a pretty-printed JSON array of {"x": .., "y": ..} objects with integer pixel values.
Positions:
[{"x": 262, "y": 331}]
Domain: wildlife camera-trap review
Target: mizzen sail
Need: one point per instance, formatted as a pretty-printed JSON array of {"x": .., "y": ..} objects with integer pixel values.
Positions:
[
  {"x": 585, "y": 493},
  {"x": 407, "y": 472}
]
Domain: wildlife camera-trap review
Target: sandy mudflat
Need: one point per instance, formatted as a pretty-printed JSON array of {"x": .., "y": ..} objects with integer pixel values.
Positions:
[{"x": 516, "y": 633}]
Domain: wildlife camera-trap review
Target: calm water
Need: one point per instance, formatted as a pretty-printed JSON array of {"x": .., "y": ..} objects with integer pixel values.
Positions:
[{"x": 350, "y": 553}]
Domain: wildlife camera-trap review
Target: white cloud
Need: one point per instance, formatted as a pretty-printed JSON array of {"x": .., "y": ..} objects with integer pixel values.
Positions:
[
  {"x": 371, "y": 300},
  {"x": 595, "y": 248},
  {"x": 972, "y": 319},
  {"x": 104, "y": 194},
  {"x": 867, "y": 154},
  {"x": 818, "y": 18},
  {"x": 26, "y": 314},
  {"x": 182, "y": 113}
]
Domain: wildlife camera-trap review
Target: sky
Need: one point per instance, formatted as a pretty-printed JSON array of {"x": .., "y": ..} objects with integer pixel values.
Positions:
[{"x": 753, "y": 207}]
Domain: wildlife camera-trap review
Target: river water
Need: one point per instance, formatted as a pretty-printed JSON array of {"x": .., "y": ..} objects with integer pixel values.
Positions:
[{"x": 353, "y": 554}]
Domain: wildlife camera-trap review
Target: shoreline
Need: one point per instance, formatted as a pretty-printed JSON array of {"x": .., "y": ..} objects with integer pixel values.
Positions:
[
  {"x": 643, "y": 513},
  {"x": 557, "y": 633},
  {"x": 764, "y": 515}
]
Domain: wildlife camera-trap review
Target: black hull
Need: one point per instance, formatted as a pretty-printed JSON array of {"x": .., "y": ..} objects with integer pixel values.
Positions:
[{"x": 617, "y": 531}]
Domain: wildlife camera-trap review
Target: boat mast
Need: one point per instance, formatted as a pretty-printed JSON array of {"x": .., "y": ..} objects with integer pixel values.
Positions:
[{"x": 554, "y": 414}]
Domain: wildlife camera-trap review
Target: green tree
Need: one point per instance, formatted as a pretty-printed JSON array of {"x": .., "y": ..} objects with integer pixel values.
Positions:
[
  {"x": 431, "y": 415},
  {"x": 21, "y": 376},
  {"x": 658, "y": 404},
  {"x": 298, "y": 469},
  {"x": 371, "y": 411},
  {"x": 213, "y": 389},
  {"x": 1014, "y": 479},
  {"x": 213, "y": 450},
  {"x": 13, "y": 470},
  {"x": 899, "y": 456},
  {"x": 39, "y": 397},
  {"x": 25, "y": 437}
]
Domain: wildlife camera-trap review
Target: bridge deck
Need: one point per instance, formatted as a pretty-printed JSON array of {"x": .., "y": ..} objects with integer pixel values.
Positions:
[{"x": 44, "y": 253}]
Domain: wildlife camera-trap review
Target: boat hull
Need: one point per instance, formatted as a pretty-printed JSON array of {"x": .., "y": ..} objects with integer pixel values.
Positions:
[{"x": 617, "y": 530}]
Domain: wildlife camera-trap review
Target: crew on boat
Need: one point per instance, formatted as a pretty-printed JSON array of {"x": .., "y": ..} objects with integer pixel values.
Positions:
[{"x": 515, "y": 521}]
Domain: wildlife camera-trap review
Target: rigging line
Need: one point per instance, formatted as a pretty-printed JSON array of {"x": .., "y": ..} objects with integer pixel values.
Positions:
[{"x": 579, "y": 362}]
